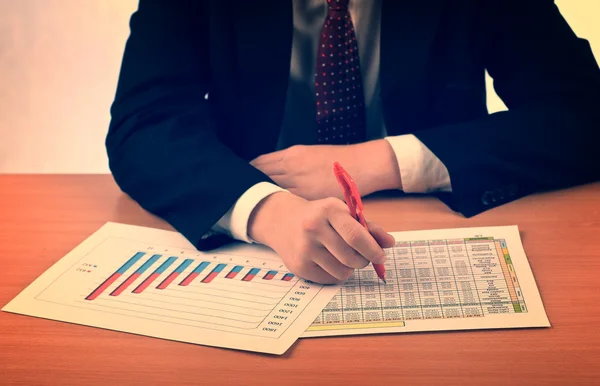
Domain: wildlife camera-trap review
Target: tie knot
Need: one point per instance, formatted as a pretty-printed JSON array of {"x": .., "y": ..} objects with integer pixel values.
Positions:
[{"x": 338, "y": 5}]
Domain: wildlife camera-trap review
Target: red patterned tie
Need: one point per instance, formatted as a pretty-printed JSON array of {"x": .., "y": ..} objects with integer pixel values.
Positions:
[{"x": 338, "y": 83}]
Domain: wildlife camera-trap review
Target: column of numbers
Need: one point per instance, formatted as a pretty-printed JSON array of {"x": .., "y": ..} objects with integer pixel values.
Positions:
[
  {"x": 371, "y": 298},
  {"x": 407, "y": 282},
  {"x": 351, "y": 300},
  {"x": 489, "y": 278},
  {"x": 446, "y": 283},
  {"x": 427, "y": 286},
  {"x": 390, "y": 295},
  {"x": 332, "y": 313},
  {"x": 463, "y": 275}
]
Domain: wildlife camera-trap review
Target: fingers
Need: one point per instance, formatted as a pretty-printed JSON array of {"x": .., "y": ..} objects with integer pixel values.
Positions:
[
  {"x": 384, "y": 239},
  {"x": 332, "y": 266},
  {"x": 330, "y": 244},
  {"x": 270, "y": 164},
  {"x": 314, "y": 272},
  {"x": 356, "y": 236},
  {"x": 268, "y": 158},
  {"x": 344, "y": 253},
  {"x": 270, "y": 168}
]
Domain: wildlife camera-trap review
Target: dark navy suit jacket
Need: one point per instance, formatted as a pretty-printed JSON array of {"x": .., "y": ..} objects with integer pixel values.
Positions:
[{"x": 185, "y": 158}]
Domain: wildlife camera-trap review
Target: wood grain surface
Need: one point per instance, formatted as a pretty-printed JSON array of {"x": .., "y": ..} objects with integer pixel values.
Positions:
[{"x": 42, "y": 217}]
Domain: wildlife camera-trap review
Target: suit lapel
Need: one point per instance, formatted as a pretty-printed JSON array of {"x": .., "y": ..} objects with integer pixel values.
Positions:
[
  {"x": 264, "y": 30},
  {"x": 263, "y": 39},
  {"x": 408, "y": 29}
]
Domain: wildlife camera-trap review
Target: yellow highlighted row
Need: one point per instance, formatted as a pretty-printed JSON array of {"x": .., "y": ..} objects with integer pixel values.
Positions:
[{"x": 347, "y": 326}]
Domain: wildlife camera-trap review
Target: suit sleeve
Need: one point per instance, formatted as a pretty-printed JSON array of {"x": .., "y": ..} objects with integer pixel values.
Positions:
[
  {"x": 162, "y": 146},
  {"x": 548, "y": 138}
]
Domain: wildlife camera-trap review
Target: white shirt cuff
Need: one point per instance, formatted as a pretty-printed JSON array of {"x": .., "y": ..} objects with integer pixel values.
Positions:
[
  {"x": 235, "y": 221},
  {"x": 421, "y": 171}
]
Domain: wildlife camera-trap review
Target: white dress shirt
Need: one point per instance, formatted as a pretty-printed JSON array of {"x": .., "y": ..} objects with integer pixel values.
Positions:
[{"x": 420, "y": 170}]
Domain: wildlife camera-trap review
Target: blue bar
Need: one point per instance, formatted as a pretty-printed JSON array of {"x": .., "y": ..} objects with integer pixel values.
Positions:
[
  {"x": 290, "y": 275},
  {"x": 147, "y": 264},
  {"x": 237, "y": 268},
  {"x": 272, "y": 273},
  {"x": 219, "y": 268},
  {"x": 130, "y": 262},
  {"x": 201, "y": 267},
  {"x": 254, "y": 271},
  {"x": 186, "y": 263},
  {"x": 165, "y": 265}
]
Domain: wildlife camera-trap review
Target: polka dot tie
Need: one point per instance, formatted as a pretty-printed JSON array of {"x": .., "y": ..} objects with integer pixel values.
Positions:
[{"x": 338, "y": 83}]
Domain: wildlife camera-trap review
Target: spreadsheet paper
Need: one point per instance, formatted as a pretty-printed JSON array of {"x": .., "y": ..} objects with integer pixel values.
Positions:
[
  {"x": 153, "y": 282},
  {"x": 447, "y": 279}
]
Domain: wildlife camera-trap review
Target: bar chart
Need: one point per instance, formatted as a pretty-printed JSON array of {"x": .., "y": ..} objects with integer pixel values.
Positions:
[
  {"x": 220, "y": 291},
  {"x": 154, "y": 283},
  {"x": 171, "y": 276},
  {"x": 127, "y": 280}
]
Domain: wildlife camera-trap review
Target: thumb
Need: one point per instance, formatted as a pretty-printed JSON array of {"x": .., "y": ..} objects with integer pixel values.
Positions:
[{"x": 384, "y": 239}]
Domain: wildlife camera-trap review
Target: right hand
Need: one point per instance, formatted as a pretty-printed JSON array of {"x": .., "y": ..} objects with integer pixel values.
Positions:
[{"x": 317, "y": 240}]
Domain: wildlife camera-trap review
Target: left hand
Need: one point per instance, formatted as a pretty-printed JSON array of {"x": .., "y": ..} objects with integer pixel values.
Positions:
[{"x": 307, "y": 171}]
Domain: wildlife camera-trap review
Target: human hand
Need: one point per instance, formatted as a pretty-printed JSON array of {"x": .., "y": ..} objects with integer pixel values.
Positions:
[
  {"x": 307, "y": 170},
  {"x": 317, "y": 240}
]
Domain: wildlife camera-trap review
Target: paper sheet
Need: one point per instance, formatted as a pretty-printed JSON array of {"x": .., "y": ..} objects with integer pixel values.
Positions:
[
  {"x": 450, "y": 279},
  {"x": 152, "y": 282}
]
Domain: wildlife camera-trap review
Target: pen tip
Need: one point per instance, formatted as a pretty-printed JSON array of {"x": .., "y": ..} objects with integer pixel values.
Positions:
[{"x": 384, "y": 281}]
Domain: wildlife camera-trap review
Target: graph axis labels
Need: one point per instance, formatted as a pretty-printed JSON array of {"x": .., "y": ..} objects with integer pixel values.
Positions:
[{"x": 147, "y": 270}]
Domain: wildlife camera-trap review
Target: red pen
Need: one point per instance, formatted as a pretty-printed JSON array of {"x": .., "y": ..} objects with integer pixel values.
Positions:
[{"x": 355, "y": 205}]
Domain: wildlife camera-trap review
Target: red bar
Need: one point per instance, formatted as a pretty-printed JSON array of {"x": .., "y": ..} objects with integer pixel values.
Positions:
[
  {"x": 143, "y": 285},
  {"x": 189, "y": 278},
  {"x": 168, "y": 280},
  {"x": 248, "y": 277},
  {"x": 125, "y": 284},
  {"x": 231, "y": 275},
  {"x": 102, "y": 287},
  {"x": 268, "y": 276},
  {"x": 287, "y": 278},
  {"x": 210, "y": 277}
]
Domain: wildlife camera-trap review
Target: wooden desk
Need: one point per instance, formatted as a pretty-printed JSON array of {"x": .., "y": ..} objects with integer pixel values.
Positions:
[{"x": 44, "y": 217}]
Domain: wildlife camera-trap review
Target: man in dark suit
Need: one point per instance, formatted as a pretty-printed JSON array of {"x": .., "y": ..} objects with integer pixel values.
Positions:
[{"x": 229, "y": 115}]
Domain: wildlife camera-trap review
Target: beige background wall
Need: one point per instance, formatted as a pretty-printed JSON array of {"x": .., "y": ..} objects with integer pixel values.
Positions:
[{"x": 59, "y": 61}]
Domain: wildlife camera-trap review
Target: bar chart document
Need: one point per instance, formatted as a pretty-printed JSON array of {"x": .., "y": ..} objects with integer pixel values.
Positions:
[
  {"x": 153, "y": 282},
  {"x": 451, "y": 279}
]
